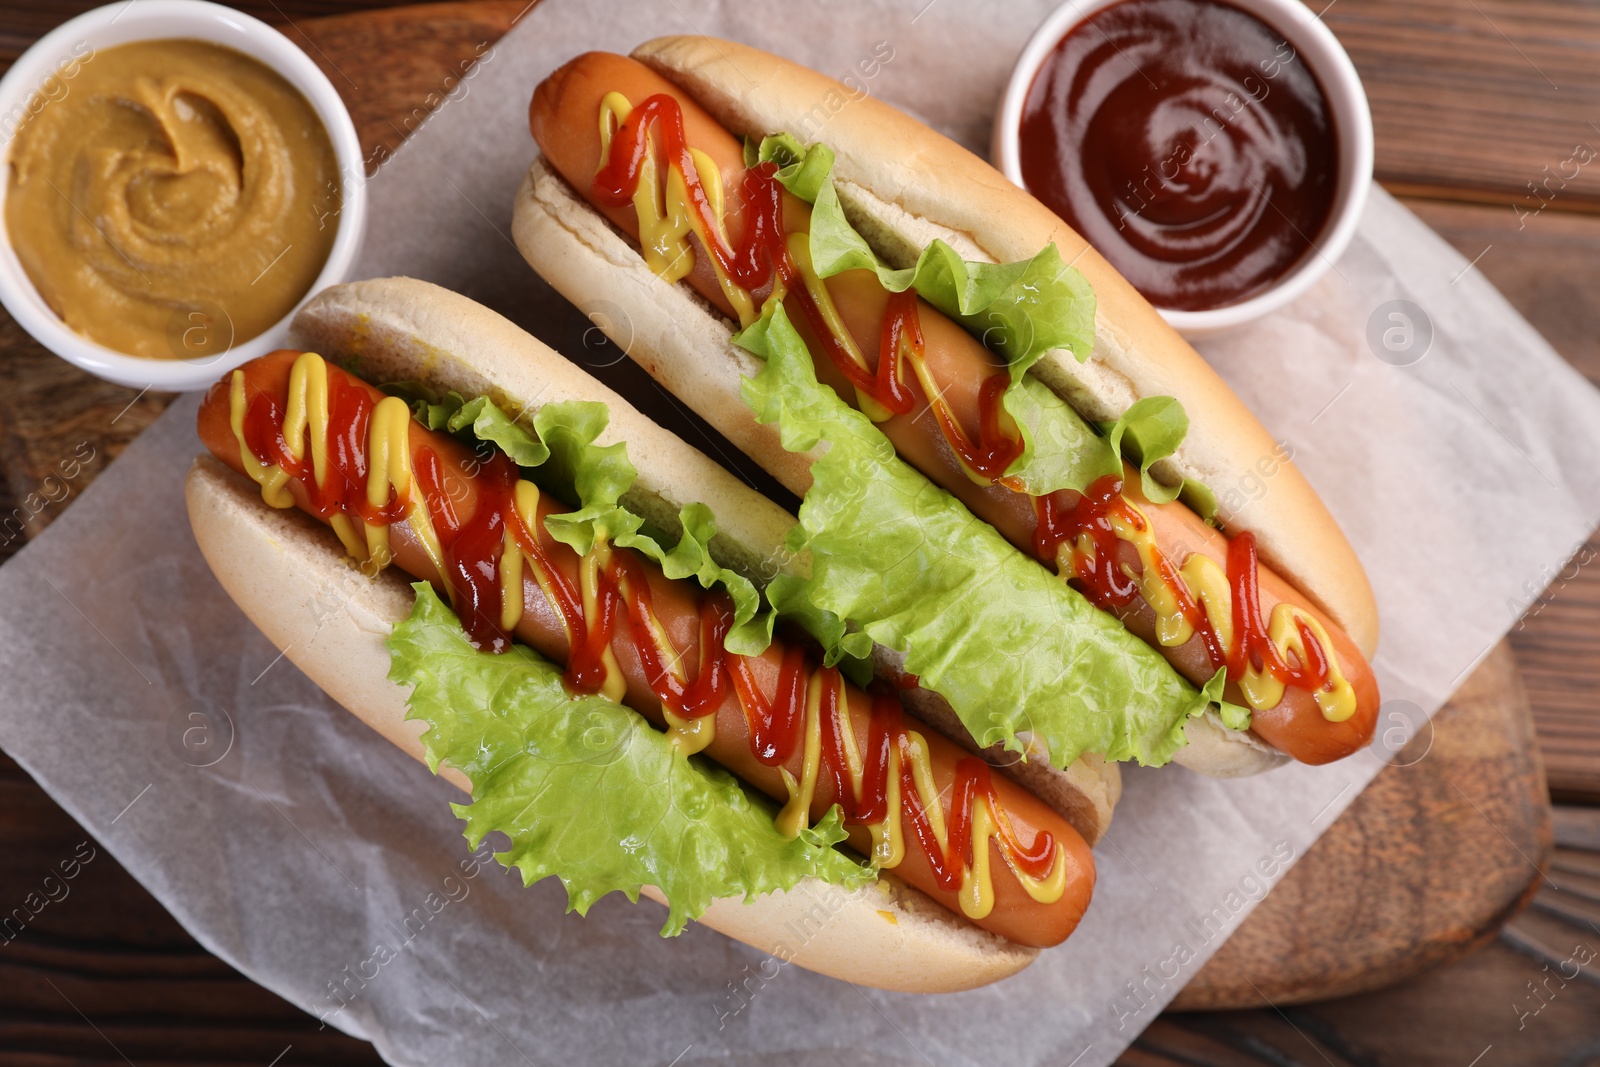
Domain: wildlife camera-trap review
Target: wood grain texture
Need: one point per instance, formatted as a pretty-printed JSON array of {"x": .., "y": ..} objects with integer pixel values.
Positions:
[
  {"x": 97, "y": 947},
  {"x": 104, "y": 975},
  {"x": 1427, "y": 862},
  {"x": 1465, "y": 1015},
  {"x": 1474, "y": 99},
  {"x": 53, "y": 415},
  {"x": 426, "y": 50},
  {"x": 1549, "y": 268},
  {"x": 59, "y": 427},
  {"x": 117, "y": 940}
]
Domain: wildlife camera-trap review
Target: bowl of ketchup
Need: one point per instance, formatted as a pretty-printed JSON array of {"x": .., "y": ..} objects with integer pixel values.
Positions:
[{"x": 1217, "y": 153}]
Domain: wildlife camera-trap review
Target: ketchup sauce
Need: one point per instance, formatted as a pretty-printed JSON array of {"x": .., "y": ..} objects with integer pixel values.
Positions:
[{"x": 1188, "y": 143}]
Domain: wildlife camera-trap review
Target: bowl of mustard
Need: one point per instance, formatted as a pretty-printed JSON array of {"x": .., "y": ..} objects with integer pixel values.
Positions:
[{"x": 179, "y": 178}]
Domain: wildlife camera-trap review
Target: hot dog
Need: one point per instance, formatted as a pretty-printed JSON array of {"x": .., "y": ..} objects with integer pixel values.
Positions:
[
  {"x": 1206, "y": 599},
  {"x": 462, "y": 516}
]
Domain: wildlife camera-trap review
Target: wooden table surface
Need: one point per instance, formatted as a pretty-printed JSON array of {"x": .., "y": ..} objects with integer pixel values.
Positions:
[{"x": 1476, "y": 105}]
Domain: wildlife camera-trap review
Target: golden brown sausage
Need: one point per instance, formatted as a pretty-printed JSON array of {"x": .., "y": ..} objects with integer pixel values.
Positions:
[
  {"x": 563, "y": 118},
  {"x": 677, "y": 605}
]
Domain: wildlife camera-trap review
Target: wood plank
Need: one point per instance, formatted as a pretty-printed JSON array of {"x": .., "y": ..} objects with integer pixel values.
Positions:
[
  {"x": 1465, "y": 1015},
  {"x": 105, "y": 950},
  {"x": 391, "y": 100},
  {"x": 28, "y": 20},
  {"x": 421, "y": 66},
  {"x": 59, "y": 426},
  {"x": 1426, "y": 863},
  {"x": 1473, "y": 99},
  {"x": 108, "y": 952}
]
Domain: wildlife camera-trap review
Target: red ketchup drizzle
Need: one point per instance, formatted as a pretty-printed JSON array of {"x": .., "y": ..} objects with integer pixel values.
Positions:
[
  {"x": 1098, "y": 575},
  {"x": 1252, "y": 647},
  {"x": 763, "y": 249},
  {"x": 972, "y": 781},
  {"x": 995, "y": 449},
  {"x": 1063, "y": 516},
  {"x": 472, "y": 553},
  {"x": 686, "y": 700},
  {"x": 473, "y": 549},
  {"x": 775, "y": 723},
  {"x": 345, "y": 489},
  {"x": 883, "y": 726}
]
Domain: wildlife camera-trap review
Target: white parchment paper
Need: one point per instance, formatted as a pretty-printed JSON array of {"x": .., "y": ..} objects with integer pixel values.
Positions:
[{"x": 325, "y": 865}]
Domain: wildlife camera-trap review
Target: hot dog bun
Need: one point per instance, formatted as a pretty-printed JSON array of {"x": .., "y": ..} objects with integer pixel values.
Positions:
[
  {"x": 290, "y": 576},
  {"x": 944, "y": 192},
  {"x": 902, "y": 185},
  {"x": 685, "y": 344},
  {"x": 402, "y": 329}
]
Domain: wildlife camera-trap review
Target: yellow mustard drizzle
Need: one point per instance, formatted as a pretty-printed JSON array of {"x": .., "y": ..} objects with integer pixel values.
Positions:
[
  {"x": 274, "y": 480},
  {"x": 306, "y": 420},
  {"x": 665, "y": 222},
  {"x": 388, "y": 452},
  {"x": 526, "y": 505},
  {"x": 589, "y": 567},
  {"x": 306, "y": 425},
  {"x": 389, "y": 468},
  {"x": 799, "y": 245},
  {"x": 888, "y": 837},
  {"x": 1336, "y": 700},
  {"x": 976, "y": 895},
  {"x": 1207, "y": 583},
  {"x": 692, "y": 734},
  {"x": 796, "y": 814},
  {"x": 1172, "y": 626}
]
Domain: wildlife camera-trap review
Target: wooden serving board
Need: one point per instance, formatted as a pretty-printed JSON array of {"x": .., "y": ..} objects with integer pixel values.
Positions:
[{"x": 1427, "y": 862}]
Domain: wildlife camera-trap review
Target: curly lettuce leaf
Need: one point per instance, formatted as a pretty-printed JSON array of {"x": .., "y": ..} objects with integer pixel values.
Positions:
[
  {"x": 585, "y": 789},
  {"x": 803, "y": 171},
  {"x": 787, "y": 593},
  {"x": 480, "y": 418},
  {"x": 1150, "y": 431},
  {"x": 601, "y": 474},
  {"x": 561, "y": 447},
  {"x": 906, "y": 565},
  {"x": 1019, "y": 310},
  {"x": 1022, "y": 310},
  {"x": 1234, "y": 716}
]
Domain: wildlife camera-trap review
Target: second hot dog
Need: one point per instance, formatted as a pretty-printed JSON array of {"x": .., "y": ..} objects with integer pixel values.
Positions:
[
  {"x": 977, "y": 843},
  {"x": 1176, "y": 582}
]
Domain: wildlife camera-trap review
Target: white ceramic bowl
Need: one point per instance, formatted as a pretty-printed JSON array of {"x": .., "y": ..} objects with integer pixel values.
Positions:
[
  {"x": 143, "y": 20},
  {"x": 1347, "y": 102}
]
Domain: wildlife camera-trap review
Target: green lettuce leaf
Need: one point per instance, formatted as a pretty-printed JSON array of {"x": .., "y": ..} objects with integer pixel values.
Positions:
[
  {"x": 1150, "y": 431},
  {"x": 561, "y": 449},
  {"x": 1019, "y": 310},
  {"x": 906, "y": 565},
  {"x": 1234, "y": 716},
  {"x": 479, "y": 417},
  {"x": 788, "y": 594},
  {"x": 803, "y": 171},
  {"x": 585, "y": 789},
  {"x": 601, "y": 474}
]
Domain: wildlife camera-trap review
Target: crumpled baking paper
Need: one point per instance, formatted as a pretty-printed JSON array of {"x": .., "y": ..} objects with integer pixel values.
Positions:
[{"x": 318, "y": 860}]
